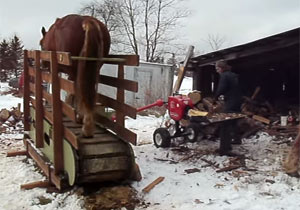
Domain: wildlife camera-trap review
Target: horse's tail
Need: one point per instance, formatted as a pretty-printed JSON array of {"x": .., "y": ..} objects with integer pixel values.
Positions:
[{"x": 88, "y": 72}]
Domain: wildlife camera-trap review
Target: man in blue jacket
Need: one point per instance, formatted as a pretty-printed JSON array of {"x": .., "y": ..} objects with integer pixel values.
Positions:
[{"x": 229, "y": 87}]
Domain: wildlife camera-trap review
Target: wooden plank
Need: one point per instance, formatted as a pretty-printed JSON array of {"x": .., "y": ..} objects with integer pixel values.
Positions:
[
  {"x": 57, "y": 117},
  {"x": 47, "y": 96},
  {"x": 40, "y": 161},
  {"x": 43, "y": 165},
  {"x": 69, "y": 111},
  {"x": 182, "y": 69},
  {"x": 67, "y": 85},
  {"x": 16, "y": 153},
  {"x": 46, "y": 76},
  {"x": 63, "y": 58},
  {"x": 116, "y": 105},
  {"x": 120, "y": 116},
  {"x": 153, "y": 184},
  {"x": 131, "y": 60},
  {"x": 41, "y": 184},
  {"x": 39, "y": 113},
  {"x": 121, "y": 131},
  {"x": 71, "y": 137},
  {"x": 119, "y": 83},
  {"x": 26, "y": 93},
  {"x": 93, "y": 166},
  {"x": 261, "y": 119}
]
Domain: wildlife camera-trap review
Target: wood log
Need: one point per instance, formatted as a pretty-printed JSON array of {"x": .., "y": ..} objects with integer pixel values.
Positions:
[
  {"x": 4, "y": 115},
  {"x": 32, "y": 185},
  {"x": 153, "y": 184},
  {"x": 261, "y": 119}
]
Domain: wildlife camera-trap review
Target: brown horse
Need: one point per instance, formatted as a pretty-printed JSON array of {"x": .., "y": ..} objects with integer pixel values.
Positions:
[{"x": 86, "y": 37}]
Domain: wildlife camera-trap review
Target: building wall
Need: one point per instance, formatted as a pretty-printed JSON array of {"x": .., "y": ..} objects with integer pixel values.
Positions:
[{"x": 155, "y": 81}]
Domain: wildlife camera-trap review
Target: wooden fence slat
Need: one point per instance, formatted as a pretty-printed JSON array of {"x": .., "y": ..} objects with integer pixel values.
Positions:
[
  {"x": 57, "y": 117},
  {"x": 63, "y": 58},
  {"x": 47, "y": 96},
  {"x": 69, "y": 111},
  {"x": 67, "y": 85},
  {"x": 42, "y": 163},
  {"x": 26, "y": 93},
  {"x": 119, "y": 83},
  {"x": 39, "y": 114},
  {"x": 121, "y": 131},
  {"x": 116, "y": 105},
  {"x": 120, "y": 117}
]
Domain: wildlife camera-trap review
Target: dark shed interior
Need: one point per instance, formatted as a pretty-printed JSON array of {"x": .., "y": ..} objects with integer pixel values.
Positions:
[{"x": 271, "y": 63}]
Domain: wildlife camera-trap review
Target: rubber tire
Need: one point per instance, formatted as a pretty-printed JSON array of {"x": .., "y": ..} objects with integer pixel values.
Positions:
[
  {"x": 194, "y": 128},
  {"x": 161, "y": 137}
]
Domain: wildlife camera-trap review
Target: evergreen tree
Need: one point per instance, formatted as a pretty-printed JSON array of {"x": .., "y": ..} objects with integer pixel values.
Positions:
[
  {"x": 15, "y": 55},
  {"x": 4, "y": 60}
]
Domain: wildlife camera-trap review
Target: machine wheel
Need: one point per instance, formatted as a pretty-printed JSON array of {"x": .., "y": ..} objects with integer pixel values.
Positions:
[
  {"x": 161, "y": 137},
  {"x": 193, "y": 131}
]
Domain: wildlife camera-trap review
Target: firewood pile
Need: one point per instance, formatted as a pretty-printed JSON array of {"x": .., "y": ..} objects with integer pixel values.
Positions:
[
  {"x": 261, "y": 116},
  {"x": 10, "y": 118}
]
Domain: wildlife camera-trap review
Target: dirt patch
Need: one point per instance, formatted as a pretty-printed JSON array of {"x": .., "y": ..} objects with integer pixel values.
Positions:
[{"x": 112, "y": 197}]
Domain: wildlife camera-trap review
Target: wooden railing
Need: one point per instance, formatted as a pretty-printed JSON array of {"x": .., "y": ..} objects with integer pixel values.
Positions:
[{"x": 48, "y": 104}]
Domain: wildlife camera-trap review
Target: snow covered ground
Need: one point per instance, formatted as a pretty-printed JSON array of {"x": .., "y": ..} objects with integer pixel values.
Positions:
[{"x": 260, "y": 185}]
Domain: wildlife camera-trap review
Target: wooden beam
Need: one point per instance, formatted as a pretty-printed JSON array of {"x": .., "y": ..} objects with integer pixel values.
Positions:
[
  {"x": 120, "y": 117},
  {"x": 26, "y": 93},
  {"x": 117, "y": 105},
  {"x": 118, "y": 83},
  {"x": 39, "y": 137},
  {"x": 57, "y": 117},
  {"x": 182, "y": 69},
  {"x": 121, "y": 131}
]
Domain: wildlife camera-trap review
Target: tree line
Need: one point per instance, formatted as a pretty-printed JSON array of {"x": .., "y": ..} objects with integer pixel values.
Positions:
[{"x": 11, "y": 55}]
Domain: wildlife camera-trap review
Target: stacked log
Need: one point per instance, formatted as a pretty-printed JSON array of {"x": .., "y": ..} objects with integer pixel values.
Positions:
[{"x": 10, "y": 117}]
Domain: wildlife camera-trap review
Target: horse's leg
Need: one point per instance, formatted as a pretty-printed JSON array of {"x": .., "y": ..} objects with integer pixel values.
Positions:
[
  {"x": 88, "y": 124},
  {"x": 291, "y": 165}
]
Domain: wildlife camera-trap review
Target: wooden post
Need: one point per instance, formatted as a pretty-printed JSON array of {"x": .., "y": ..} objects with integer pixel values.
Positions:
[
  {"x": 26, "y": 92},
  {"x": 120, "y": 96},
  {"x": 39, "y": 112},
  {"x": 57, "y": 117},
  {"x": 182, "y": 69}
]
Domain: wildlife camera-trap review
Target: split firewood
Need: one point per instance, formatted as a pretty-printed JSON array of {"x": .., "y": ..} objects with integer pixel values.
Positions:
[
  {"x": 261, "y": 119},
  {"x": 153, "y": 184},
  {"x": 213, "y": 164},
  {"x": 4, "y": 115},
  {"x": 192, "y": 170},
  {"x": 228, "y": 168}
]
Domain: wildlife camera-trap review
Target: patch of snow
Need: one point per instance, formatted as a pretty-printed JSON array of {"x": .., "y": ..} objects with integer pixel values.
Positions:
[{"x": 261, "y": 186}]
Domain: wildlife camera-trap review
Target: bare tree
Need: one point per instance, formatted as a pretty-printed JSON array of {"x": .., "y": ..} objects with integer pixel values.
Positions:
[
  {"x": 144, "y": 27},
  {"x": 215, "y": 41}
]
